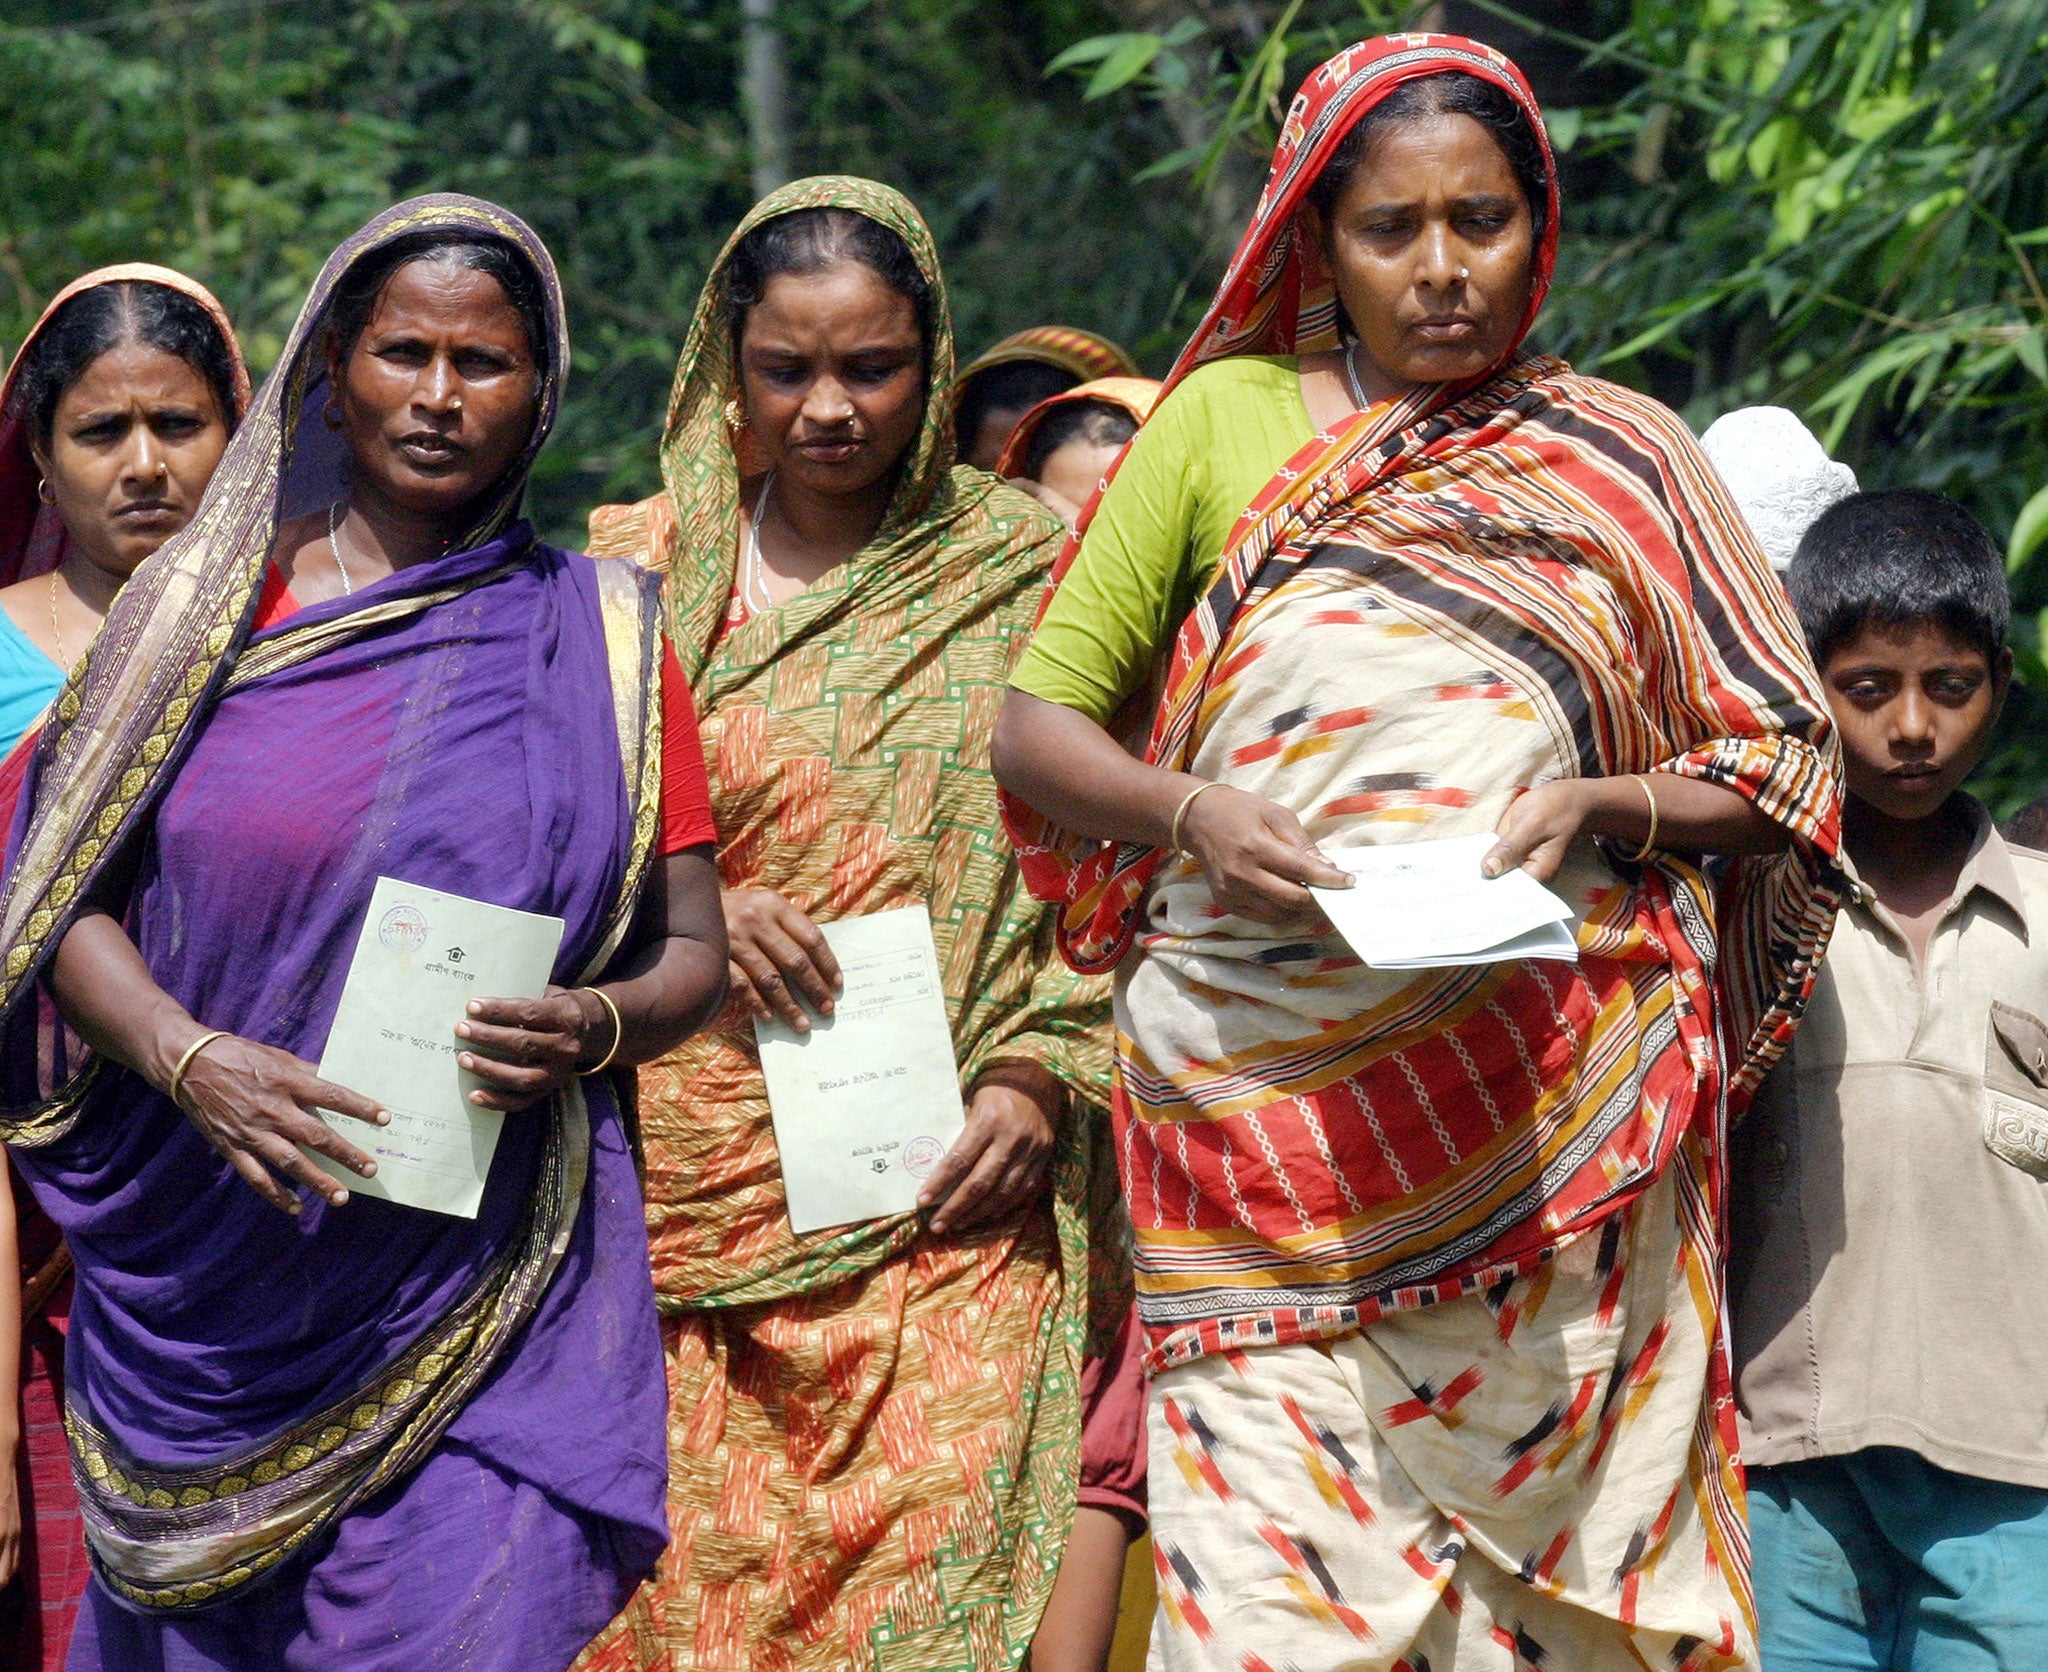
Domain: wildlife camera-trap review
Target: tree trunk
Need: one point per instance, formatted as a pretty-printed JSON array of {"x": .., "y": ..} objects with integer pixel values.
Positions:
[{"x": 765, "y": 93}]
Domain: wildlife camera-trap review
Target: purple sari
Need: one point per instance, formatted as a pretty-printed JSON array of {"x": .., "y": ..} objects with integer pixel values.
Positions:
[{"x": 369, "y": 1437}]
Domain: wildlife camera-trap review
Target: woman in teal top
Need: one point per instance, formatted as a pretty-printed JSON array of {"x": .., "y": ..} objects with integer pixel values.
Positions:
[
  {"x": 113, "y": 416},
  {"x": 28, "y": 680}
]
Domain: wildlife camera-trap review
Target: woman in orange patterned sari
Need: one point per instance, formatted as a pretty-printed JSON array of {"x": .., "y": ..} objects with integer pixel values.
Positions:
[
  {"x": 1428, "y": 1258},
  {"x": 875, "y": 1429}
]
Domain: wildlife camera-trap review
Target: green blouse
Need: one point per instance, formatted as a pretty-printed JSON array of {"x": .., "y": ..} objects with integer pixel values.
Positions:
[{"x": 1201, "y": 458}]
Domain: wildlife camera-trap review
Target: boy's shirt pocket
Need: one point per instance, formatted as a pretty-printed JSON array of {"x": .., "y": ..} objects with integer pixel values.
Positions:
[{"x": 2016, "y": 1089}]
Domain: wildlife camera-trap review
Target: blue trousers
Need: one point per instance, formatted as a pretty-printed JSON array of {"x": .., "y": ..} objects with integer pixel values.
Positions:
[{"x": 1881, "y": 1562}]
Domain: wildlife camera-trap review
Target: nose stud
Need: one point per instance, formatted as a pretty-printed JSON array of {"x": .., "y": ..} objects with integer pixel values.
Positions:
[
  {"x": 455, "y": 404},
  {"x": 1464, "y": 272}
]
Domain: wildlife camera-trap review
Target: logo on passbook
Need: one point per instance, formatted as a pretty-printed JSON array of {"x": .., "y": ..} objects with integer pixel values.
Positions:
[{"x": 404, "y": 929}]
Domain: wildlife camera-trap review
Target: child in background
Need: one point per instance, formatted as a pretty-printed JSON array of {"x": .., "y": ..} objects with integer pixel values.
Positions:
[
  {"x": 996, "y": 389},
  {"x": 1075, "y": 445},
  {"x": 1890, "y": 1221},
  {"x": 1058, "y": 452},
  {"x": 1063, "y": 447}
]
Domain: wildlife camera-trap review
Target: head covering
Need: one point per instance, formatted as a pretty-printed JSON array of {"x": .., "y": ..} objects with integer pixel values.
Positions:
[
  {"x": 1778, "y": 472},
  {"x": 133, "y": 703},
  {"x": 1080, "y": 352},
  {"x": 33, "y": 538},
  {"x": 692, "y": 529},
  {"x": 1135, "y": 395},
  {"x": 1277, "y": 296}
]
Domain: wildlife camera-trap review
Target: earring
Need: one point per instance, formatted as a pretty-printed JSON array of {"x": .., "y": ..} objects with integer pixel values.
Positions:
[
  {"x": 43, "y": 492},
  {"x": 735, "y": 414}
]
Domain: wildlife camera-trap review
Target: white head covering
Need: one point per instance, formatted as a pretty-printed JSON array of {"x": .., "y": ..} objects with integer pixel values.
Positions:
[{"x": 1779, "y": 474}]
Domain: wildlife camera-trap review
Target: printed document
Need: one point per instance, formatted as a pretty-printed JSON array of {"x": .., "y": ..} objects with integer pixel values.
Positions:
[
  {"x": 1424, "y": 905},
  {"x": 422, "y": 956},
  {"x": 868, "y": 1101}
]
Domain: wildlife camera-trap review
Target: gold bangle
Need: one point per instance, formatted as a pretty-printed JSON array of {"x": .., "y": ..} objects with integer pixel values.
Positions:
[
  {"x": 1650, "y": 841},
  {"x": 1181, "y": 812},
  {"x": 618, "y": 1030},
  {"x": 177, "y": 1081}
]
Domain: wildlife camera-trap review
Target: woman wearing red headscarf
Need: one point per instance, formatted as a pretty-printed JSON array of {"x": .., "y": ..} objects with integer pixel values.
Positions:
[
  {"x": 1428, "y": 1259},
  {"x": 113, "y": 416}
]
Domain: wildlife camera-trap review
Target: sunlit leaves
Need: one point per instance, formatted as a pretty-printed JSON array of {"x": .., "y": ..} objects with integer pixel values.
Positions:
[
  {"x": 1120, "y": 59},
  {"x": 2029, "y": 530}
]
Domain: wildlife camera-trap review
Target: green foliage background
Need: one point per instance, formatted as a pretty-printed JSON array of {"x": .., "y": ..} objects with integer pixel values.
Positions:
[{"x": 1837, "y": 205}]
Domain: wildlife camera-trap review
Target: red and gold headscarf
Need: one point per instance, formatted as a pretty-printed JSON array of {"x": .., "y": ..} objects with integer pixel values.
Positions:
[{"x": 1276, "y": 296}]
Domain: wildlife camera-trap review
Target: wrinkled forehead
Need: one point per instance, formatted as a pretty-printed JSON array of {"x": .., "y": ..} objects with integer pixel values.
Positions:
[{"x": 317, "y": 464}]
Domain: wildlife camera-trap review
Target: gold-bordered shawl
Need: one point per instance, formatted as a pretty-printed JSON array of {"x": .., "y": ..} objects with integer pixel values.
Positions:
[{"x": 180, "y": 1540}]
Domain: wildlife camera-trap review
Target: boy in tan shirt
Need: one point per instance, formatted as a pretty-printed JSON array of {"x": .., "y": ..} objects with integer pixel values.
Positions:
[{"x": 1890, "y": 1219}]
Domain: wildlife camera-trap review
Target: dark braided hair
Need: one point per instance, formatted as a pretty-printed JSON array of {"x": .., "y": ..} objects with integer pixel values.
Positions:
[
  {"x": 105, "y": 317},
  {"x": 811, "y": 240},
  {"x": 1452, "y": 93},
  {"x": 355, "y": 298}
]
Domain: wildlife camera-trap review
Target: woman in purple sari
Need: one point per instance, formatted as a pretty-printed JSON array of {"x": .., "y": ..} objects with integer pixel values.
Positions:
[{"x": 353, "y": 1434}]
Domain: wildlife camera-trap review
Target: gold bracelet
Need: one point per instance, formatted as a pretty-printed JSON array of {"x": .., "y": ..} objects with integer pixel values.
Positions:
[
  {"x": 618, "y": 1030},
  {"x": 1649, "y": 841},
  {"x": 1181, "y": 812},
  {"x": 192, "y": 1050}
]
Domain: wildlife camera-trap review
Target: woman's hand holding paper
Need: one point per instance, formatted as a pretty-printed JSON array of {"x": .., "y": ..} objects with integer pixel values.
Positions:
[
  {"x": 257, "y": 1105},
  {"x": 1539, "y": 826},
  {"x": 995, "y": 1165},
  {"x": 1690, "y": 816},
  {"x": 1257, "y": 857},
  {"x": 526, "y": 1049},
  {"x": 779, "y": 959}
]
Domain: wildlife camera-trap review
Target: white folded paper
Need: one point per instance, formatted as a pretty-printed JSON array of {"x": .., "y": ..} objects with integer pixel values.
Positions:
[
  {"x": 422, "y": 956},
  {"x": 1425, "y": 905},
  {"x": 868, "y": 1101}
]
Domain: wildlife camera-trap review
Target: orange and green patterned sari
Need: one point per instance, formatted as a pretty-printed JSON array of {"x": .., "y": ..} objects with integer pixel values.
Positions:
[{"x": 874, "y": 1433}]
